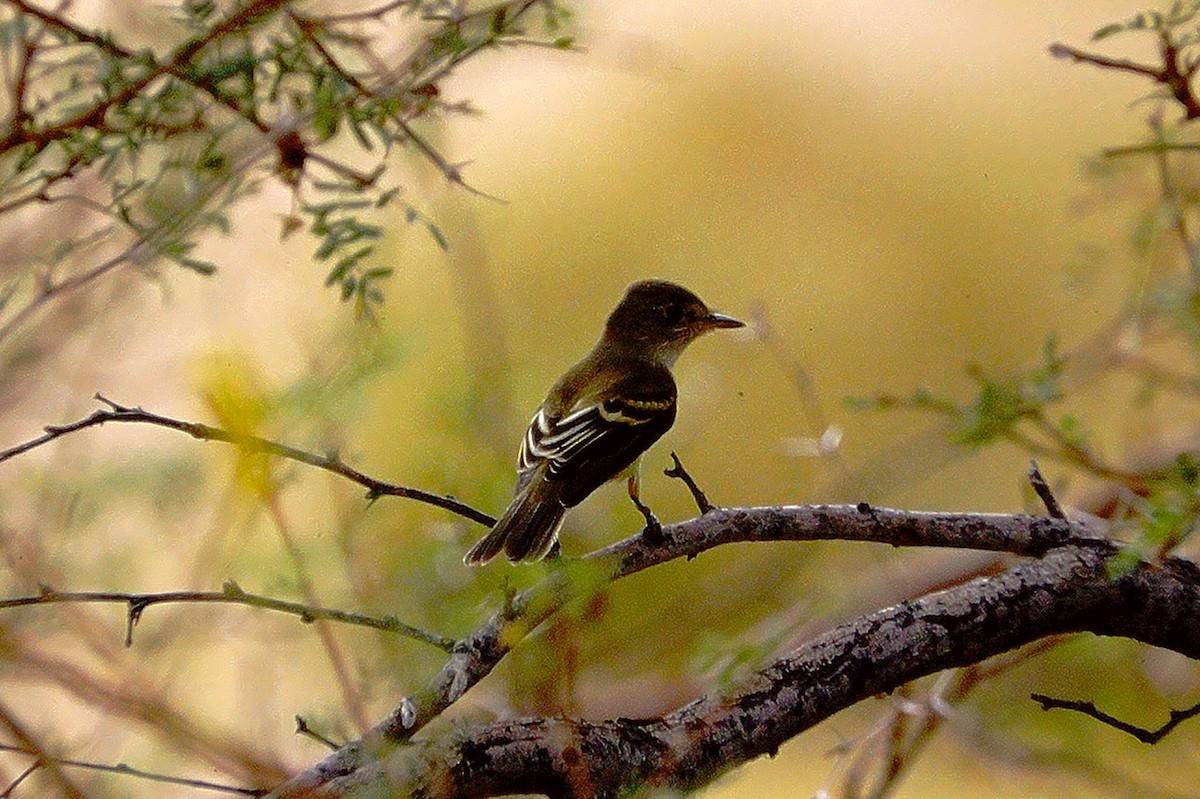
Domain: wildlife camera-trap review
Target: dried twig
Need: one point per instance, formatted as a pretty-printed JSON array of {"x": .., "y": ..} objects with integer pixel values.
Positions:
[
  {"x": 677, "y": 471},
  {"x": 1042, "y": 489},
  {"x": 230, "y": 594},
  {"x": 330, "y": 463},
  {"x": 1144, "y": 735}
]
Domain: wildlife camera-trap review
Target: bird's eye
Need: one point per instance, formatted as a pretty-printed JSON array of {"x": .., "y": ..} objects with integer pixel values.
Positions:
[{"x": 672, "y": 313}]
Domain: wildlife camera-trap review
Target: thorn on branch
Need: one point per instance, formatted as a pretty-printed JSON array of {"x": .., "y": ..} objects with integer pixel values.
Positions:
[
  {"x": 1042, "y": 489},
  {"x": 302, "y": 728},
  {"x": 114, "y": 407},
  {"x": 1144, "y": 735},
  {"x": 137, "y": 606},
  {"x": 677, "y": 471}
]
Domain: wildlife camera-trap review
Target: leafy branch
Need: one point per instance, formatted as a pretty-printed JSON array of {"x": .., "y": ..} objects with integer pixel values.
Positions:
[{"x": 160, "y": 147}]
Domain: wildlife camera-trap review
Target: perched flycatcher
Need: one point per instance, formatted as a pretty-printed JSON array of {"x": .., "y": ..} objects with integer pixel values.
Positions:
[{"x": 600, "y": 416}]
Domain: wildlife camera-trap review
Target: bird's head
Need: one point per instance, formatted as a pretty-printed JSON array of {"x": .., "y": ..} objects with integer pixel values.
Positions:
[{"x": 659, "y": 319}]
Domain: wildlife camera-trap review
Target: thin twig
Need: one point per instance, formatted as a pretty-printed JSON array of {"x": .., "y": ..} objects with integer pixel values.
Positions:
[
  {"x": 369, "y": 14},
  {"x": 52, "y": 290},
  {"x": 330, "y": 463},
  {"x": 121, "y": 768},
  {"x": 933, "y": 710},
  {"x": 302, "y": 728},
  {"x": 1060, "y": 50},
  {"x": 451, "y": 172},
  {"x": 28, "y": 743},
  {"x": 1042, "y": 489},
  {"x": 1174, "y": 202},
  {"x": 1172, "y": 74},
  {"x": 230, "y": 594},
  {"x": 12, "y": 786},
  {"x": 677, "y": 471},
  {"x": 1144, "y": 735}
]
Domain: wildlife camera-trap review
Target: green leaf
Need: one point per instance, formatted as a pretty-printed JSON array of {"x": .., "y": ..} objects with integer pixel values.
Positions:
[
  {"x": 205, "y": 268},
  {"x": 1108, "y": 30},
  {"x": 326, "y": 114}
]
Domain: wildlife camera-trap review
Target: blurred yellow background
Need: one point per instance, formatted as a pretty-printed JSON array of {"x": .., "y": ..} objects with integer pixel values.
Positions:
[{"x": 897, "y": 187}]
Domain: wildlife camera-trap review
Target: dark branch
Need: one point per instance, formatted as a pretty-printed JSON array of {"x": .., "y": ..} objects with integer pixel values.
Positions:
[
  {"x": 1144, "y": 735},
  {"x": 677, "y": 471},
  {"x": 231, "y": 594},
  {"x": 476, "y": 655},
  {"x": 302, "y": 728},
  {"x": 121, "y": 768},
  {"x": 1059, "y": 50},
  {"x": 1069, "y": 590},
  {"x": 1173, "y": 75},
  {"x": 1042, "y": 489},
  {"x": 330, "y": 463}
]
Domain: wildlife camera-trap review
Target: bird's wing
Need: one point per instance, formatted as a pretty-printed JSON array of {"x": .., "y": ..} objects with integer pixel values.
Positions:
[{"x": 601, "y": 435}]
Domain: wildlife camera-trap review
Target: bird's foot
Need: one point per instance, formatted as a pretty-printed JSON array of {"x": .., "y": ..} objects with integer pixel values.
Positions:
[{"x": 653, "y": 532}]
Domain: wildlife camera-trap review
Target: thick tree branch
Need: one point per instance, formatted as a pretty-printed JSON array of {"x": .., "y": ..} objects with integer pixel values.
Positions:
[
  {"x": 1069, "y": 590},
  {"x": 476, "y": 655}
]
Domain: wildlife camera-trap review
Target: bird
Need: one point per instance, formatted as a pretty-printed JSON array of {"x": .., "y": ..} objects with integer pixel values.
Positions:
[{"x": 600, "y": 416}]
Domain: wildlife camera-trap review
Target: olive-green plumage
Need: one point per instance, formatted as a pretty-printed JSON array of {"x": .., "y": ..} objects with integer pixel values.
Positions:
[{"x": 600, "y": 416}]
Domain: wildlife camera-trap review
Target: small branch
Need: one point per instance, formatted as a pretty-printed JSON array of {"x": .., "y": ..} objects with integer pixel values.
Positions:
[
  {"x": 370, "y": 14},
  {"x": 51, "y": 290},
  {"x": 1146, "y": 736},
  {"x": 231, "y": 594},
  {"x": 451, "y": 172},
  {"x": 330, "y": 463},
  {"x": 1173, "y": 75},
  {"x": 121, "y": 768},
  {"x": 12, "y": 786},
  {"x": 677, "y": 471},
  {"x": 302, "y": 728},
  {"x": 1042, "y": 489},
  {"x": 1175, "y": 202},
  {"x": 930, "y": 712},
  {"x": 1059, "y": 50},
  {"x": 28, "y": 743}
]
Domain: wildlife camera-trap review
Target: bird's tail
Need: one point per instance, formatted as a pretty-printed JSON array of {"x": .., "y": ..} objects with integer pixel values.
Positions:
[{"x": 527, "y": 529}]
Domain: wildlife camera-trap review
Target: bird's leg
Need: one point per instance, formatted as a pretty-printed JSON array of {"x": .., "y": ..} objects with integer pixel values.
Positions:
[
  {"x": 555, "y": 551},
  {"x": 653, "y": 532}
]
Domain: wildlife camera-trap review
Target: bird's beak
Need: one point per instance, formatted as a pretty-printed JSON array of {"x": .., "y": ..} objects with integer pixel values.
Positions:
[{"x": 715, "y": 320}]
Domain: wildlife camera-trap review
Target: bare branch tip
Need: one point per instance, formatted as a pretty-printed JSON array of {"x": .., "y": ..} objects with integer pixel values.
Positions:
[
  {"x": 680, "y": 473},
  {"x": 114, "y": 407},
  {"x": 1045, "y": 494}
]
